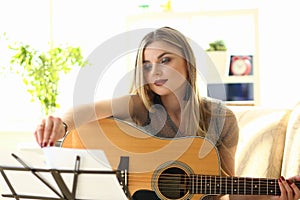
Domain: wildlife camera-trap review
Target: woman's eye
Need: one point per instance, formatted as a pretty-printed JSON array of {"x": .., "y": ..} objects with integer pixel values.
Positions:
[
  {"x": 165, "y": 60},
  {"x": 147, "y": 66}
]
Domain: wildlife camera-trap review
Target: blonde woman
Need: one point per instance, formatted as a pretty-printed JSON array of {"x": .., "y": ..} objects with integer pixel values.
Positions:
[{"x": 165, "y": 102}]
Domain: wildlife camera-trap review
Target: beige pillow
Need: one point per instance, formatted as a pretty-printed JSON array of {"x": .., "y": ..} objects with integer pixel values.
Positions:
[
  {"x": 291, "y": 159},
  {"x": 261, "y": 141}
]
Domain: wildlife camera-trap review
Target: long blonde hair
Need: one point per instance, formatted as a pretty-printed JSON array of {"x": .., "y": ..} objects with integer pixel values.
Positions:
[{"x": 192, "y": 112}]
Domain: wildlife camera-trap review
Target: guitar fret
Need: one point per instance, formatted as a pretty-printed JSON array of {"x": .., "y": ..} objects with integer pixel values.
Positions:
[
  {"x": 209, "y": 185},
  {"x": 231, "y": 185},
  {"x": 223, "y": 185},
  {"x": 251, "y": 186},
  {"x": 193, "y": 184},
  {"x": 215, "y": 191},
  {"x": 202, "y": 185},
  {"x": 275, "y": 193},
  {"x": 245, "y": 186},
  {"x": 255, "y": 187},
  {"x": 260, "y": 187},
  {"x": 267, "y": 187},
  {"x": 226, "y": 192},
  {"x": 197, "y": 184},
  {"x": 272, "y": 187},
  {"x": 205, "y": 184},
  {"x": 219, "y": 187},
  {"x": 235, "y": 186},
  {"x": 248, "y": 186},
  {"x": 213, "y": 184}
]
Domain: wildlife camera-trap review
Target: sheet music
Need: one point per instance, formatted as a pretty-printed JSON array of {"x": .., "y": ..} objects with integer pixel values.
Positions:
[{"x": 90, "y": 186}]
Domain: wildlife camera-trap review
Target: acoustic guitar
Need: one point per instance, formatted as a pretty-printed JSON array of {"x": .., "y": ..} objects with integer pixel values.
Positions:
[{"x": 178, "y": 168}]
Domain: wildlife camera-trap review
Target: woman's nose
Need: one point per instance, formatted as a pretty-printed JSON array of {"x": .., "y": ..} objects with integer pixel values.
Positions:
[{"x": 156, "y": 69}]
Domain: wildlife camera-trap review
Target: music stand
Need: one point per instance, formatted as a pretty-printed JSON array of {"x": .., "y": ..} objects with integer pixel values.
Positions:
[{"x": 64, "y": 192}]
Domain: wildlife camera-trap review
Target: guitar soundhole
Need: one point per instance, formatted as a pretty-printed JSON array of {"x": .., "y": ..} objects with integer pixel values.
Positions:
[{"x": 173, "y": 183}]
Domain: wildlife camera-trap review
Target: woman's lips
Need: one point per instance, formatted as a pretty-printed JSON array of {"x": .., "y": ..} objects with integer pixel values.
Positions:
[{"x": 160, "y": 82}]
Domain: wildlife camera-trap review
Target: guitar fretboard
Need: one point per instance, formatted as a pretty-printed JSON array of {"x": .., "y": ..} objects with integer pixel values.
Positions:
[{"x": 203, "y": 184}]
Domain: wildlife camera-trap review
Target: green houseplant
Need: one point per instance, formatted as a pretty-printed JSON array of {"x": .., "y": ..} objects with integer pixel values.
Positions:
[
  {"x": 41, "y": 71},
  {"x": 217, "y": 45},
  {"x": 217, "y": 53}
]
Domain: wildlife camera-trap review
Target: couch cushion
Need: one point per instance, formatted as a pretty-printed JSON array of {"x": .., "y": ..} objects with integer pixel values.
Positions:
[
  {"x": 261, "y": 141},
  {"x": 291, "y": 159}
]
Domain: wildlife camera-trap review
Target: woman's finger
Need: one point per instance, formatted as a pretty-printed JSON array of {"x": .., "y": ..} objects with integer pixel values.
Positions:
[
  {"x": 57, "y": 130},
  {"x": 282, "y": 189},
  {"x": 296, "y": 191},
  {"x": 39, "y": 133},
  {"x": 48, "y": 131}
]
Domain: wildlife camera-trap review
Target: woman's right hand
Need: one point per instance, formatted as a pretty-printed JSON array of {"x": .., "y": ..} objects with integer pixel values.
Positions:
[{"x": 49, "y": 131}]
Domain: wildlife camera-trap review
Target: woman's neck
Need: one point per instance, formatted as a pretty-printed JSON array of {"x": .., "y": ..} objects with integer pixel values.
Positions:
[{"x": 173, "y": 104}]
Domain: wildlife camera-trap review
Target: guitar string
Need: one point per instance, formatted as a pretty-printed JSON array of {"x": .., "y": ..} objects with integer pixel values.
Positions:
[
  {"x": 263, "y": 185},
  {"x": 227, "y": 179},
  {"x": 222, "y": 190}
]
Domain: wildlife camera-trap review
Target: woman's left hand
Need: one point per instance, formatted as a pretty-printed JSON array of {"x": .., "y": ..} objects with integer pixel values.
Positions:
[{"x": 288, "y": 189}]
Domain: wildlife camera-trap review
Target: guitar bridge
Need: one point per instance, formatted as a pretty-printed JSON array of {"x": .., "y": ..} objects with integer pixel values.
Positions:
[{"x": 122, "y": 174}]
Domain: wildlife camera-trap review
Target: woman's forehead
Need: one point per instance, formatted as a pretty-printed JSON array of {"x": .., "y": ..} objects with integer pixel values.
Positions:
[{"x": 162, "y": 46}]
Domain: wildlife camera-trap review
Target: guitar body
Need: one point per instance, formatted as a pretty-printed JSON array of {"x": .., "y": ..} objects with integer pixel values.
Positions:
[{"x": 150, "y": 158}]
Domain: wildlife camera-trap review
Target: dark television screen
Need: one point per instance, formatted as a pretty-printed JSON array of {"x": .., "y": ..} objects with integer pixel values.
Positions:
[{"x": 231, "y": 91}]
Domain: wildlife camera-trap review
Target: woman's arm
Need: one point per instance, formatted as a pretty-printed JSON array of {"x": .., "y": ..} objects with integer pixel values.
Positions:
[
  {"x": 53, "y": 128},
  {"x": 228, "y": 145}
]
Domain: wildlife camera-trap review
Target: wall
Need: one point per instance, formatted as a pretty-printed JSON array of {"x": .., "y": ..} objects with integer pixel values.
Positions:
[
  {"x": 279, "y": 42},
  {"x": 86, "y": 23}
]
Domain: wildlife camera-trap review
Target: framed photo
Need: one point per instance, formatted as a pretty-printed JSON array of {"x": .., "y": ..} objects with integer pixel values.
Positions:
[{"x": 241, "y": 65}]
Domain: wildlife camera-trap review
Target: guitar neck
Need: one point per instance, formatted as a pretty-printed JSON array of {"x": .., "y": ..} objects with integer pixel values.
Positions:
[{"x": 203, "y": 184}]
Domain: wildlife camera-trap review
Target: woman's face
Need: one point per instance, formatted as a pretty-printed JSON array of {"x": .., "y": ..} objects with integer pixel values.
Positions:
[{"x": 165, "y": 69}]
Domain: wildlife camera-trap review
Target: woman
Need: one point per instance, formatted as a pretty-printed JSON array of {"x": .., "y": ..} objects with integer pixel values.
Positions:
[{"x": 165, "y": 101}]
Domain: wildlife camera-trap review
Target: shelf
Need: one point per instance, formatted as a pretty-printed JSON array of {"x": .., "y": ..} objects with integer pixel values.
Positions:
[
  {"x": 240, "y": 103},
  {"x": 201, "y": 28}
]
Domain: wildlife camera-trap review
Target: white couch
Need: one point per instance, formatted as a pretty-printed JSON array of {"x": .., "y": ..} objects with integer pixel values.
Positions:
[{"x": 268, "y": 141}]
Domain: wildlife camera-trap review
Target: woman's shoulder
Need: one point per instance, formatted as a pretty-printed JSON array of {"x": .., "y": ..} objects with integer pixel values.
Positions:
[
  {"x": 138, "y": 111},
  {"x": 136, "y": 99},
  {"x": 215, "y": 105}
]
